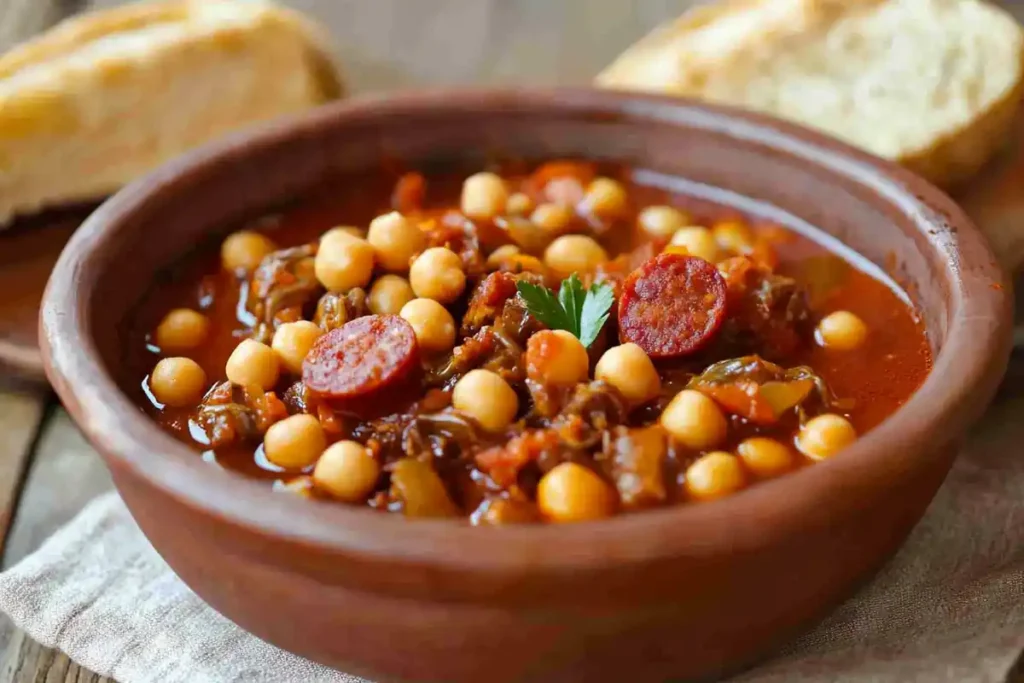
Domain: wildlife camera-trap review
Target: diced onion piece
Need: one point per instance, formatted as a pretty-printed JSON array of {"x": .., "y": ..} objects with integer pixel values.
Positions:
[{"x": 420, "y": 490}]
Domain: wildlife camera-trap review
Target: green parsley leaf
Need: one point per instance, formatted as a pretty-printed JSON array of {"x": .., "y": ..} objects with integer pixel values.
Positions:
[
  {"x": 571, "y": 295},
  {"x": 542, "y": 305},
  {"x": 582, "y": 312},
  {"x": 595, "y": 310}
]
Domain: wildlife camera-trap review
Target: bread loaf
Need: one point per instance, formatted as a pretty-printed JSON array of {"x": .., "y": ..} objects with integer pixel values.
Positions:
[
  {"x": 932, "y": 84},
  {"x": 103, "y": 98}
]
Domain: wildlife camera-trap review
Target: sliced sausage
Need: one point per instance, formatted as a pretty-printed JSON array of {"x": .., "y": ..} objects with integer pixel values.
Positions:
[
  {"x": 362, "y": 358},
  {"x": 672, "y": 305}
]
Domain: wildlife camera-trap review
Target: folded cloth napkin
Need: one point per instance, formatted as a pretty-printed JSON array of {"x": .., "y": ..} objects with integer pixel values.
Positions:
[{"x": 948, "y": 608}]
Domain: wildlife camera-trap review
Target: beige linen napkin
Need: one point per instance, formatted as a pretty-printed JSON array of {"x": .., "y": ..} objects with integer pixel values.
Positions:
[{"x": 948, "y": 608}]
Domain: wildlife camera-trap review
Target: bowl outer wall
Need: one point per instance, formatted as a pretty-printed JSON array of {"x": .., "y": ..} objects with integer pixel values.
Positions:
[{"x": 564, "y": 564}]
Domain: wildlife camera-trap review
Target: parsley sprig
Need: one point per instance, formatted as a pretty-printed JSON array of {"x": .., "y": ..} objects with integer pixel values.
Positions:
[{"x": 578, "y": 310}]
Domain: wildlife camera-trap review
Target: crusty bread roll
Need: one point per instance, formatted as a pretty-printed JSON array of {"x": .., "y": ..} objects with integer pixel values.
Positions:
[
  {"x": 930, "y": 83},
  {"x": 102, "y": 98}
]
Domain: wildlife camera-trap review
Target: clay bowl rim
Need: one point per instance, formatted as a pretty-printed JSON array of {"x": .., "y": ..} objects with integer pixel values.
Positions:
[{"x": 968, "y": 366}]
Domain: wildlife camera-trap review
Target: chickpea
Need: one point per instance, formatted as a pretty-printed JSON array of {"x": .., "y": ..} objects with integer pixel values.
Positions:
[
  {"x": 177, "y": 382},
  {"x": 552, "y": 217},
  {"x": 530, "y": 237},
  {"x": 765, "y": 457},
  {"x": 697, "y": 241},
  {"x": 501, "y": 255},
  {"x": 842, "y": 331},
  {"x": 694, "y": 420},
  {"x": 518, "y": 204},
  {"x": 181, "y": 329},
  {"x": 348, "y": 471},
  {"x": 574, "y": 253},
  {"x": 343, "y": 261},
  {"x": 715, "y": 475},
  {"x": 733, "y": 236},
  {"x": 388, "y": 294},
  {"x": 437, "y": 274},
  {"x": 824, "y": 436},
  {"x": 243, "y": 250},
  {"x": 661, "y": 221},
  {"x": 292, "y": 342},
  {"x": 253, "y": 364},
  {"x": 433, "y": 324},
  {"x": 573, "y": 493},
  {"x": 630, "y": 370},
  {"x": 487, "y": 398},
  {"x": 395, "y": 241},
  {"x": 295, "y": 442},
  {"x": 524, "y": 263},
  {"x": 556, "y": 357},
  {"x": 606, "y": 198},
  {"x": 484, "y": 196}
]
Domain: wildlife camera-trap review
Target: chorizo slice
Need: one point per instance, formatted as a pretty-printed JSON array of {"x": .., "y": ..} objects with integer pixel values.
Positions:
[
  {"x": 672, "y": 305},
  {"x": 362, "y": 357}
]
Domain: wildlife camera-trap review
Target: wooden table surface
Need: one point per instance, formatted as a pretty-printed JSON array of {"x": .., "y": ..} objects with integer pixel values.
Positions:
[{"x": 48, "y": 471}]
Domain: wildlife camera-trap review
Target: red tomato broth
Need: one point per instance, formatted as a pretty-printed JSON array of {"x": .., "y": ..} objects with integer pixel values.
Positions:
[{"x": 875, "y": 378}]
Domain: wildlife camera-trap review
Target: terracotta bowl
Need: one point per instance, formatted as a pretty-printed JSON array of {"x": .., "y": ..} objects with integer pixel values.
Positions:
[{"x": 678, "y": 593}]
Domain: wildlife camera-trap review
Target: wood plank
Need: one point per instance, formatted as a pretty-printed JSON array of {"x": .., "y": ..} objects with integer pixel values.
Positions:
[
  {"x": 66, "y": 473},
  {"x": 26, "y": 661},
  {"x": 21, "y": 412}
]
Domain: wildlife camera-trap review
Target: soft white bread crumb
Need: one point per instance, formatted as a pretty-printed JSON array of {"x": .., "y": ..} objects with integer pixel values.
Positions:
[
  {"x": 103, "y": 98},
  {"x": 929, "y": 83}
]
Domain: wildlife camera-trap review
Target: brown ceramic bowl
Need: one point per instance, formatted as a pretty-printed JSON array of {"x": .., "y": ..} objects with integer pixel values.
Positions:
[{"x": 676, "y": 593}]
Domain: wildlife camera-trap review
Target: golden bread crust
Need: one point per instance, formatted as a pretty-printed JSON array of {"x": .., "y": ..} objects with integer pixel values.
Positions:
[{"x": 105, "y": 97}]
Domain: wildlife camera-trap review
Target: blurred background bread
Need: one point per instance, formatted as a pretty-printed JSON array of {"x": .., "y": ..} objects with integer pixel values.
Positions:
[
  {"x": 933, "y": 84},
  {"x": 102, "y": 98}
]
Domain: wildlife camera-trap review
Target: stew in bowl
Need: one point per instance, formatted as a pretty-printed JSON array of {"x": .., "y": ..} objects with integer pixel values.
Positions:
[{"x": 557, "y": 342}]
